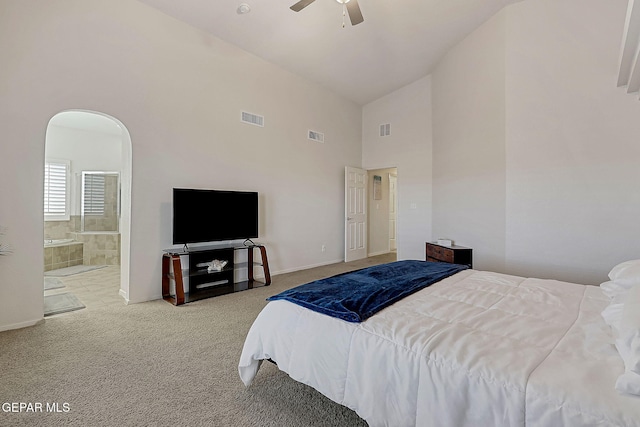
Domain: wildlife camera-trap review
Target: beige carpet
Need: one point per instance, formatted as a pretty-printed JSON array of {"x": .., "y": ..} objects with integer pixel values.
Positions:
[{"x": 154, "y": 364}]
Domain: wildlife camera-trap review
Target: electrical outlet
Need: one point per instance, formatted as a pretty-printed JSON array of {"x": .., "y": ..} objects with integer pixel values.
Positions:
[{"x": 324, "y": 248}]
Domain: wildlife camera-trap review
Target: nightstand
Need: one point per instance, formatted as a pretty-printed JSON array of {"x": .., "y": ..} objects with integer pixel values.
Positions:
[{"x": 452, "y": 254}]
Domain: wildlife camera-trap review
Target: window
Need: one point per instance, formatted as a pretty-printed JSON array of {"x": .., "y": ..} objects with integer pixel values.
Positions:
[
  {"x": 93, "y": 193},
  {"x": 56, "y": 190}
]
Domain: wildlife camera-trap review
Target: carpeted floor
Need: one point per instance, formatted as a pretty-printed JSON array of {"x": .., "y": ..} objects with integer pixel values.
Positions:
[{"x": 154, "y": 364}]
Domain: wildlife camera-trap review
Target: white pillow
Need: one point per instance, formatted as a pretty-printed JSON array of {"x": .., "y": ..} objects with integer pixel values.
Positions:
[
  {"x": 628, "y": 383},
  {"x": 628, "y": 343},
  {"x": 634, "y": 361},
  {"x": 628, "y": 349},
  {"x": 626, "y": 273},
  {"x": 629, "y": 329},
  {"x": 616, "y": 292},
  {"x": 612, "y": 315}
]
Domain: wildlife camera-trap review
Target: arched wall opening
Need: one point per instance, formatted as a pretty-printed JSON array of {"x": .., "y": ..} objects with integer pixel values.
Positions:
[{"x": 68, "y": 134}]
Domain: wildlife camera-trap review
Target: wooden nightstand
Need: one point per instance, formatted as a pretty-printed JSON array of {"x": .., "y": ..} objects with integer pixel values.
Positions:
[{"x": 452, "y": 254}]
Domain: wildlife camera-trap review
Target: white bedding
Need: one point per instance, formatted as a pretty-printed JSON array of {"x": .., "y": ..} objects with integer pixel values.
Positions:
[{"x": 476, "y": 349}]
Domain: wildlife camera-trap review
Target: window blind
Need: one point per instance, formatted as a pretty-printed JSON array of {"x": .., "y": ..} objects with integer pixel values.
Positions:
[
  {"x": 93, "y": 197},
  {"x": 55, "y": 188}
]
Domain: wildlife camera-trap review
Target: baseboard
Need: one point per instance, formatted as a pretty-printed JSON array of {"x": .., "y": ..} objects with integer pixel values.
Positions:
[
  {"x": 378, "y": 253},
  {"x": 306, "y": 267},
  {"x": 123, "y": 294},
  {"x": 22, "y": 324}
]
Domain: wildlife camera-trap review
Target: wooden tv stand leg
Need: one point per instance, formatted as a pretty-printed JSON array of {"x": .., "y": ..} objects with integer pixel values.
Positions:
[
  {"x": 166, "y": 279},
  {"x": 265, "y": 265}
]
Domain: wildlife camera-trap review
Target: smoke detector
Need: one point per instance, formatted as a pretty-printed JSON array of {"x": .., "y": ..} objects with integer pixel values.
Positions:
[{"x": 243, "y": 8}]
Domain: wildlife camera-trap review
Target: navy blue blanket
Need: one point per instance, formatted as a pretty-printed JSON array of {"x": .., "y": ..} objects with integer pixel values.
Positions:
[{"x": 358, "y": 295}]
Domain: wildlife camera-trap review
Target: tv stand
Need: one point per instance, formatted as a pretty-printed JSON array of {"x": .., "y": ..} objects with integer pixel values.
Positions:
[{"x": 205, "y": 284}]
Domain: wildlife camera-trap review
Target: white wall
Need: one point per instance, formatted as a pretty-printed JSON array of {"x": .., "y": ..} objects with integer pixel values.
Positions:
[
  {"x": 538, "y": 145},
  {"x": 179, "y": 92},
  {"x": 87, "y": 151},
  {"x": 573, "y": 151},
  {"x": 408, "y": 148},
  {"x": 469, "y": 193}
]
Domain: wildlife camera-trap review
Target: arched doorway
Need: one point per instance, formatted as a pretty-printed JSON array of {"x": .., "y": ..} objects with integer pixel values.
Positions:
[{"x": 91, "y": 144}]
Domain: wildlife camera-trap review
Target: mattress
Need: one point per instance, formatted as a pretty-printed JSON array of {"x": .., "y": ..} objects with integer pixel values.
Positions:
[{"x": 477, "y": 348}]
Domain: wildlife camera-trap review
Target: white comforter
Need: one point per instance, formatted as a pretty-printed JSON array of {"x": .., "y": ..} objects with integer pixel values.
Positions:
[{"x": 476, "y": 349}]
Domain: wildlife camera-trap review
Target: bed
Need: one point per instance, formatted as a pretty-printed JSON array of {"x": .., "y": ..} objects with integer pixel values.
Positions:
[{"x": 475, "y": 348}]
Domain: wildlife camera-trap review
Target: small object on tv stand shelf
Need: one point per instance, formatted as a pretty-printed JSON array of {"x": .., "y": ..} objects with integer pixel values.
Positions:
[{"x": 215, "y": 265}]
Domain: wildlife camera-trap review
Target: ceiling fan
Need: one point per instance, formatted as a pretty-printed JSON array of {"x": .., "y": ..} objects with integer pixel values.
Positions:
[{"x": 355, "y": 15}]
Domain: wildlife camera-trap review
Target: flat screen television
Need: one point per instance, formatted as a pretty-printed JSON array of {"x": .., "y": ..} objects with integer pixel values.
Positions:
[{"x": 213, "y": 215}]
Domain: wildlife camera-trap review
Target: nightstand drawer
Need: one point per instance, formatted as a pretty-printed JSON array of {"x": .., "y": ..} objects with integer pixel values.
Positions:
[
  {"x": 452, "y": 254},
  {"x": 439, "y": 253}
]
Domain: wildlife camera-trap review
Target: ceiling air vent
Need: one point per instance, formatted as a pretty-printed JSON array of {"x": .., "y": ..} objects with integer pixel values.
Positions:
[
  {"x": 385, "y": 130},
  {"x": 316, "y": 136},
  {"x": 252, "y": 119}
]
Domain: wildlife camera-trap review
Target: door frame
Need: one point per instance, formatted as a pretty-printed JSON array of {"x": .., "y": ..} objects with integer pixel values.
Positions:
[
  {"x": 395, "y": 204},
  {"x": 356, "y": 230},
  {"x": 367, "y": 201}
]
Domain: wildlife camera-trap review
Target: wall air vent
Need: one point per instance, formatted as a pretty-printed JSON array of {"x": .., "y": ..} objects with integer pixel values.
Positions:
[
  {"x": 252, "y": 119},
  {"x": 316, "y": 136},
  {"x": 385, "y": 130}
]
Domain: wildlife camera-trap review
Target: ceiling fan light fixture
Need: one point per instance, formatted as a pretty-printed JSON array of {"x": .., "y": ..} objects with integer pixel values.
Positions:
[{"x": 348, "y": 6}]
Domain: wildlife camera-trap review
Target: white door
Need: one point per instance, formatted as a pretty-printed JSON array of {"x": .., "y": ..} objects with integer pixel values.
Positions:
[
  {"x": 355, "y": 209},
  {"x": 393, "y": 209}
]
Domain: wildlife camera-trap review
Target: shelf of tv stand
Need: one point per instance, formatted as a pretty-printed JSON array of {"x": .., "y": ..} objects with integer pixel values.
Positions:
[{"x": 171, "y": 257}]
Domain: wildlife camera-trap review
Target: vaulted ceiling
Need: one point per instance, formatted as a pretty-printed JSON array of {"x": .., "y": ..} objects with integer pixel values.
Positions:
[{"x": 399, "y": 41}]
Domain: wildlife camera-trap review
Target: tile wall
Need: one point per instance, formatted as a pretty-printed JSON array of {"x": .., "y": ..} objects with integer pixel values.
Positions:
[
  {"x": 56, "y": 257},
  {"x": 99, "y": 248}
]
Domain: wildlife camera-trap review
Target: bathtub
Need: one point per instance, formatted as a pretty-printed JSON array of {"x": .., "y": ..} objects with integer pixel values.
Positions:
[
  {"x": 56, "y": 242},
  {"x": 61, "y": 253}
]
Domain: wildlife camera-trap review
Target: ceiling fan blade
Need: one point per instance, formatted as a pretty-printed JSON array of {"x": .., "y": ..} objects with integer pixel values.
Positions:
[
  {"x": 301, "y": 5},
  {"x": 354, "y": 12}
]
